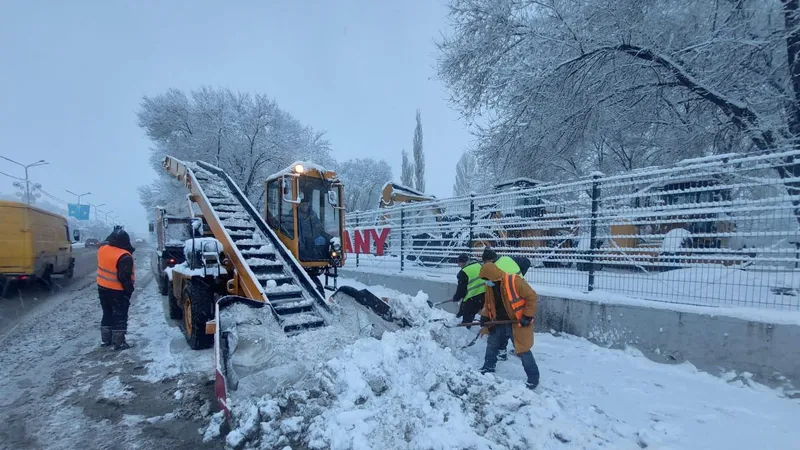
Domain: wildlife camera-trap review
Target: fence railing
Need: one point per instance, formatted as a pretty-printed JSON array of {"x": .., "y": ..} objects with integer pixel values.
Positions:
[{"x": 720, "y": 230}]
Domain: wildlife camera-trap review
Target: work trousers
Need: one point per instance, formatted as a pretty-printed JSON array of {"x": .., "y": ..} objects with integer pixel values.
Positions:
[
  {"x": 115, "y": 306},
  {"x": 499, "y": 335}
]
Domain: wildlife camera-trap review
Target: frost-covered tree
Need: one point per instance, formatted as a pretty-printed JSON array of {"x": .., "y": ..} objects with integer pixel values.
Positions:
[
  {"x": 419, "y": 156},
  {"x": 247, "y": 135},
  {"x": 363, "y": 179},
  {"x": 407, "y": 171},
  {"x": 572, "y": 85},
  {"x": 467, "y": 176}
]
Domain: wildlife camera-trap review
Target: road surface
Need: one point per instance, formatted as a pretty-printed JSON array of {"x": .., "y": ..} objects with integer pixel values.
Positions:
[
  {"x": 24, "y": 300},
  {"x": 60, "y": 390}
]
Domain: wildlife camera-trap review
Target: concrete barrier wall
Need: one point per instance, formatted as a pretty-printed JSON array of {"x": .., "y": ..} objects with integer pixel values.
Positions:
[{"x": 713, "y": 343}]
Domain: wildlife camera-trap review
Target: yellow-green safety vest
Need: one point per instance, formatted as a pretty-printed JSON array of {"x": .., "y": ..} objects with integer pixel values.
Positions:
[
  {"x": 475, "y": 285},
  {"x": 507, "y": 265}
]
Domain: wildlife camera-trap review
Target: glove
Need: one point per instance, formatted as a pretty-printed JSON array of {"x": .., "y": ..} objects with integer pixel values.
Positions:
[
  {"x": 460, "y": 310},
  {"x": 525, "y": 321},
  {"x": 484, "y": 319}
]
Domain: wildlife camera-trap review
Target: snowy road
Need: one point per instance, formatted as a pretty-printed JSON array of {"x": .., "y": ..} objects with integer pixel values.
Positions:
[
  {"x": 22, "y": 301},
  {"x": 60, "y": 390}
]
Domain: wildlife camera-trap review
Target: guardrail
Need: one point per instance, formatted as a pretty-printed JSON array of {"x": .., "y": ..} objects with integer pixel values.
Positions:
[{"x": 712, "y": 231}]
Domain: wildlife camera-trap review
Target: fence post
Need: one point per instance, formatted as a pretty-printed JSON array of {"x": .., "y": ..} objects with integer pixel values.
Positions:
[
  {"x": 354, "y": 235},
  {"x": 402, "y": 238},
  {"x": 593, "y": 226},
  {"x": 471, "y": 222}
]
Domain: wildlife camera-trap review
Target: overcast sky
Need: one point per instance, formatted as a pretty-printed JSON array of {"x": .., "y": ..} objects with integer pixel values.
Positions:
[{"x": 73, "y": 73}]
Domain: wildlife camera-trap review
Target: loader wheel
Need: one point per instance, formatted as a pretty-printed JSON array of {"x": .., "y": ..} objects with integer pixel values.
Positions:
[
  {"x": 198, "y": 301},
  {"x": 175, "y": 310},
  {"x": 163, "y": 286}
]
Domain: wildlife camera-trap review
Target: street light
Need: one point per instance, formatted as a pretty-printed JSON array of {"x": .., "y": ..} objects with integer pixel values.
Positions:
[
  {"x": 40, "y": 162},
  {"x": 95, "y": 208},
  {"x": 107, "y": 213},
  {"x": 78, "y": 195}
]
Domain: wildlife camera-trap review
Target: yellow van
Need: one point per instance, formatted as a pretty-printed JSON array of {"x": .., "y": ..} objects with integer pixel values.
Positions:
[{"x": 34, "y": 244}]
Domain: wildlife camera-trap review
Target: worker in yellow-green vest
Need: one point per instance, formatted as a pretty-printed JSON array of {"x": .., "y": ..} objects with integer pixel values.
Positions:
[
  {"x": 470, "y": 289},
  {"x": 516, "y": 265}
]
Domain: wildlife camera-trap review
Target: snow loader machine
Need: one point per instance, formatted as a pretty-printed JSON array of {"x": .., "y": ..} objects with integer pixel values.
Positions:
[{"x": 237, "y": 258}]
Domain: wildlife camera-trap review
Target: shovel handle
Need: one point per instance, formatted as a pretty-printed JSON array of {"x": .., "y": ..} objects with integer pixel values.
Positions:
[{"x": 487, "y": 324}]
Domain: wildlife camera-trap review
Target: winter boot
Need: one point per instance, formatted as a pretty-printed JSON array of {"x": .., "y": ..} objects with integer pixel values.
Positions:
[
  {"x": 119, "y": 340},
  {"x": 485, "y": 370},
  {"x": 531, "y": 386},
  {"x": 105, "y": 335},
  {"x": 502, "y": 355}
]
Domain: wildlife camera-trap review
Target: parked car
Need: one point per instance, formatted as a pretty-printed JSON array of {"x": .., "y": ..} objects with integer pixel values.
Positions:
[{"x": 92, "y": 242}]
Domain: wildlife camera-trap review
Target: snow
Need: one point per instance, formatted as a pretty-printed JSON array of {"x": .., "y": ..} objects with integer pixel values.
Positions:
[
  {"x": 113, "y": 389},
  {"x": 79, "y": 245},
  {"x": 183, "y": 269},
  {"x": 674, "y": 239},
  {"x": 418, "y": 389},
  {"x": 290, "y": 169},
  {"x": 204, "y": 245}
]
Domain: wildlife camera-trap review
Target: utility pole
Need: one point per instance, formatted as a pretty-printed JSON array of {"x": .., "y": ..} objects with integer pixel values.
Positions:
[
  {"x": 78, "y": 195},
  {"x": 41, "y": 162}
]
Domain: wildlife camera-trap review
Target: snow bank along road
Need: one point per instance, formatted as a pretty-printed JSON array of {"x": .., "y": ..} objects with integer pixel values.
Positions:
[
  {"x": 60, "y": 390},
  {"x": 418, "y": 389}
]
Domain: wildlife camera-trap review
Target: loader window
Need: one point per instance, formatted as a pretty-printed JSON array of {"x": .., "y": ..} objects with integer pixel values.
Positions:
[
  {"x": 318, "y": 219},
  {"x": 286, "y": 218},
  {"x": 273, "y": 202}
]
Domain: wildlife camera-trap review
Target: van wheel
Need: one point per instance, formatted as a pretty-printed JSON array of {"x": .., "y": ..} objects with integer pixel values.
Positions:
[
  {"x": 175, "y": 311},
  {"x": 70, "y": 270},
  {"x": 47, "y": 277},
  {"x": 198, "y": 301}
]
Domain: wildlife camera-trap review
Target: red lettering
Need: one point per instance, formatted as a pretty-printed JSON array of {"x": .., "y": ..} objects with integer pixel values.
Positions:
[
  {"x": 361, "y": 242},
  {"x": 380, "y": 240}
]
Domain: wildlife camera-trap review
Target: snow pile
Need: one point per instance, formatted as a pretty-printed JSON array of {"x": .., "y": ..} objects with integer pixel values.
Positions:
[
  {"x": 406, "y": 391},
  {"x": 674, "y": 240}
]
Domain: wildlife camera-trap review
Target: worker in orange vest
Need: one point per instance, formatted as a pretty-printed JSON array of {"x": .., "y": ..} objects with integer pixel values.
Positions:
[
  {"x": 508, "y": 297},
  {"x": 115, "y": 279}
]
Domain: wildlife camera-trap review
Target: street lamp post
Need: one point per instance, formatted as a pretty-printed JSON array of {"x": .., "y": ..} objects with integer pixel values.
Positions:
[
  {"x": 40, "y": 162},
  {"x": 106, "y": 218},
  {"x": 78, "y": 195},
  {"x": 95, "y": 209}
]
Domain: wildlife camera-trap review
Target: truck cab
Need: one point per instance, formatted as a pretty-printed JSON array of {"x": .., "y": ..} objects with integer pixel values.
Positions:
[{"x": 171, "y": 233}]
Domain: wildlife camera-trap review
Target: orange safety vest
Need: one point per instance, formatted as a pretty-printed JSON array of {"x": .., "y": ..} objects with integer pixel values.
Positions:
[
  {"x": 107, "y": 257},
  {"x": 517, "y": 302}
]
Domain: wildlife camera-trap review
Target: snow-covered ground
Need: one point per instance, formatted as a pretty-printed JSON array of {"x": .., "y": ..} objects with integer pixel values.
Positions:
[{"x": 419, "y": 389}]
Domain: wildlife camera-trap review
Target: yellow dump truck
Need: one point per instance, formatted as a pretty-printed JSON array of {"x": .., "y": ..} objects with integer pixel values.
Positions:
[{"x": 34, "y": 244}]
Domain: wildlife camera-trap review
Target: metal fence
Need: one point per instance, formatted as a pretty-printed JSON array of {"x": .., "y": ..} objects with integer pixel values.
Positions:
[{"x": 715, "y": 231}]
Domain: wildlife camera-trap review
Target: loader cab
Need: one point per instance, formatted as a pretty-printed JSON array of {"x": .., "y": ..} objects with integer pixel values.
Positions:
[{"x": 304, "y": 207}]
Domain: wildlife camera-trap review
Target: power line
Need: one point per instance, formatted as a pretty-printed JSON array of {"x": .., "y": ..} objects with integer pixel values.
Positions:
[{"x": 12, "y": 176}]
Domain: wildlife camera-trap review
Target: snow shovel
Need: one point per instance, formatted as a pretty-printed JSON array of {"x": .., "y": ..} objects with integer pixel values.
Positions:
[
  {"x": 487, "y": 324},
  {"x": 438, "y": 303}
]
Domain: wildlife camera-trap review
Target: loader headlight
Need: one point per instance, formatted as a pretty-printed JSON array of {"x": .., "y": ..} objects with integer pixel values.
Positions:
[{"x": 299, "y": 168}]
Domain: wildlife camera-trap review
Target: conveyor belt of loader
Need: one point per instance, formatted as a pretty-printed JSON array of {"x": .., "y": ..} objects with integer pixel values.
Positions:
[{"x": 293, "y": 298}]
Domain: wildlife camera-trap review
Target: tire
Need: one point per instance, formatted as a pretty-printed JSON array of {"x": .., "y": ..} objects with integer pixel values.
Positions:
[
  {"x": 47, "y": 277},
  {"x": 70, "y": 270},
  {"x": 175, "y": 310},
  {"x": 198, "y": 303},
  {"x": 163, "y": 285}
]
